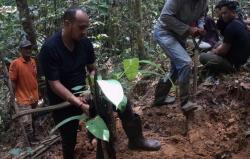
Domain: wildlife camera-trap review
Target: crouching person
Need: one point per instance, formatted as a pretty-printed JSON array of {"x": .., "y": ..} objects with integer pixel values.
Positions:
[{"x": 235, "y": 49}]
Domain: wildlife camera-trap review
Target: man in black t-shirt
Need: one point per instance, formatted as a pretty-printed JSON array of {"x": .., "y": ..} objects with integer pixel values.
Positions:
[
  {"x": 235, "y": 49},
  {"x": 63, "y": 59},
  {"x": 240, "y": 15}
]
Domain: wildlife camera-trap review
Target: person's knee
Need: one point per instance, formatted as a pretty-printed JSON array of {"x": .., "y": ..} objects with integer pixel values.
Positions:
[{"x": 202, "y": 58}]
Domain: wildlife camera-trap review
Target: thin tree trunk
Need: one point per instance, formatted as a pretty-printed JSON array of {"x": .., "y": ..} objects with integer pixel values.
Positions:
[
  {"x": 132, "y": 28},
  {"x": 139, "y": 35},
  {"x": 26, "y": 20}
]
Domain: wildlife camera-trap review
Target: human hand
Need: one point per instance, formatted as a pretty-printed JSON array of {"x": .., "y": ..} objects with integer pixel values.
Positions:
[
  {"x": 195, "y": 31},
  {"x": 83, "y": 104},
  {"x": 213, "y": 51},
  {"x": 202, "y": 32},
  {"x": 94, "y": 142},
  {"x": 92, "y": 146}
]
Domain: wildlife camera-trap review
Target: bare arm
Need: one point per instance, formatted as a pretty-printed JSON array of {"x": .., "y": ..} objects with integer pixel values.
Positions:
[
  {"x": 91, "y": 69},
  {"x": 65, "y": 94},
  {"x": 222, "y": 49}
]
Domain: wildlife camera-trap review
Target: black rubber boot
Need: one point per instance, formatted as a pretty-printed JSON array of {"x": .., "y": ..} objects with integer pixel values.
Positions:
[
  {"x": 186, "y": 105},
  {"x": 161, "y": 93},
  {"x": 133, "y": 129}
]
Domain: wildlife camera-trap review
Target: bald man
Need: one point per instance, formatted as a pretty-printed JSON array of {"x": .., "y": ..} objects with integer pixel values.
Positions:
[{"x": 63, "y": 59}]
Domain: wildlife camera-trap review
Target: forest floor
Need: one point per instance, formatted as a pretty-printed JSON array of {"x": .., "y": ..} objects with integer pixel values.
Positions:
[{"x": 217, "y": 131}]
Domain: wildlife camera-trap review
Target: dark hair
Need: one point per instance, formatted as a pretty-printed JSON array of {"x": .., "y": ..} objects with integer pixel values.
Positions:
[
  {"x": 231, "y": 5},
  {"x": 70, "y": 13}
]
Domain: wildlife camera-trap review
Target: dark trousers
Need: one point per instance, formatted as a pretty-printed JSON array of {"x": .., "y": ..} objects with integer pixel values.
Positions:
[
  {"x": 215, "y": 63},
  {"x": 69, "y": 131}
]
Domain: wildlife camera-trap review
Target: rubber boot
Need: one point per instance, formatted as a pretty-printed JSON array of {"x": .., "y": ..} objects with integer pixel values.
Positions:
[
  {"x": 161, "y": 93},
  {"x": 186, "y": 105},
  {"x": 133, "y": 130}
]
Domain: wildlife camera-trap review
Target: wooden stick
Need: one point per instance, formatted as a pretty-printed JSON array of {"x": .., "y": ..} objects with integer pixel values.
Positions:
[
  {"x": 45, "y": 148},
  {"x": 46, "y": 109},
  {"x": 49, "y": 139},
  {"x": 38, "y": 150},
  {"x": 196, "y": 52}
]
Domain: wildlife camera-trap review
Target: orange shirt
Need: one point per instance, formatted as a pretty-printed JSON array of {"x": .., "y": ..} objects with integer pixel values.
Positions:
[{"x": 23, "y": 74}]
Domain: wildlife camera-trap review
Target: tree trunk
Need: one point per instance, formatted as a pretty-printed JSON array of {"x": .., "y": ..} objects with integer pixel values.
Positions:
[
  {"x": 138, "y": 28},
  {"x": 26, "y": 20}
]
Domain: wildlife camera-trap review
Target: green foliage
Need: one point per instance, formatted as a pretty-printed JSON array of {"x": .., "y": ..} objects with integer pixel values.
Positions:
[
  {"x": 98, "y": 128},
  {"x": 113, "y": 91},
  {"x": 157, "y": 66},
  {"x": 123, "y": 104},
  {"x": 82, "y": 117},
  {"x": 131, "y": 67}
]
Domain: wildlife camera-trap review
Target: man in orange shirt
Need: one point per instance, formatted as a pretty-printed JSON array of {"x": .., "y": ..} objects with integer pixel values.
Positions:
[{"x": 22, "y": 74}]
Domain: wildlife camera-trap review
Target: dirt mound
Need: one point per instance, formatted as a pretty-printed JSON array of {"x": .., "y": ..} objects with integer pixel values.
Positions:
[{"x": 217, "y": 130}]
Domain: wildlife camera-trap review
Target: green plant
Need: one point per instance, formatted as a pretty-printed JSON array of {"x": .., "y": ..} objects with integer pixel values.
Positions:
[{"x": 97, "y": 126}]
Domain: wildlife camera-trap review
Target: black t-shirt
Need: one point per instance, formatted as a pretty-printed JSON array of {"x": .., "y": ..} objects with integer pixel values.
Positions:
[
  {"x": 58, "y": 63},
  {"x": 237, "y": 36},
  {"x": 221, "y": 25}
]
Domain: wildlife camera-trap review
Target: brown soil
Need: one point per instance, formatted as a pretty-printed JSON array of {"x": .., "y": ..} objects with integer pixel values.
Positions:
[{"x": 217, "y": 129}]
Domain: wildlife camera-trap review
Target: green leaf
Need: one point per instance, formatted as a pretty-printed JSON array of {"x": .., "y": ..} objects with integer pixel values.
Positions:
[
  {"x": 131, "y": 67},
  {"x": 123, "y": 104},
  {"x": 98, "y": 128},
  {"x": 77, "y": 88},
  {"x": 92, "y": 79},
  {"x": 113, "y": 91},
  {"x": 144, "y": 72},
  {"x": 82, "y": 117},
  {"x": 118, "y": 75},
  {"x": 157, "y": 66}
]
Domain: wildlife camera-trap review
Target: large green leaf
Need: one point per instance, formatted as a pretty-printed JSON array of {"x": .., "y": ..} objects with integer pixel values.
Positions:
[
  {"x": 131, "y": 67},
  {"x": 82, "y": 117},
  {"x": 98, "y": 128},
  {"x": 113, "y": 91}
]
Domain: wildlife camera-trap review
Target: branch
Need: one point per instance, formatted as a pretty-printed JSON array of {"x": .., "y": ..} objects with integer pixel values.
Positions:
[{"x": 46, "y": 109}]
